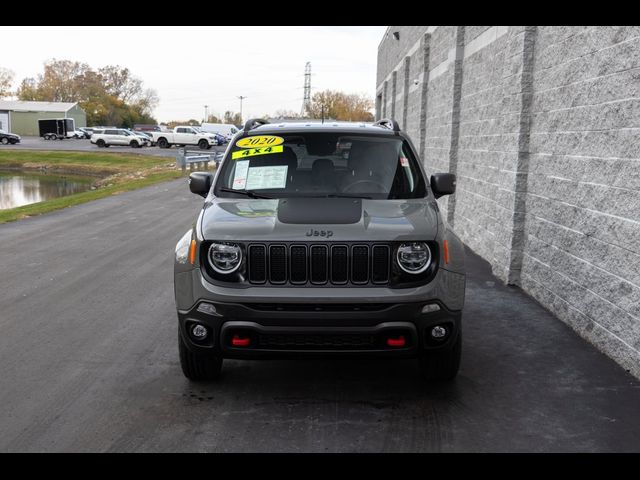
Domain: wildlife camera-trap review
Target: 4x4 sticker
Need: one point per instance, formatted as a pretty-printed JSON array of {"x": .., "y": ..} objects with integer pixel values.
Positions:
[
  {"x": 259, "y": 141},
  {"x": 250, "y": 152}
]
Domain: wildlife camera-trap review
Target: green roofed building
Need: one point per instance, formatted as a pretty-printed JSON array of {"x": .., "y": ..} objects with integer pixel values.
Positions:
[{"x": 21, "y": 117}]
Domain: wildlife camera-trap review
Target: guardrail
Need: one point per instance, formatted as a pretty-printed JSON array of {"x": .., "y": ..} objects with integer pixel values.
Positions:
[{"x": 199, "y": 160}]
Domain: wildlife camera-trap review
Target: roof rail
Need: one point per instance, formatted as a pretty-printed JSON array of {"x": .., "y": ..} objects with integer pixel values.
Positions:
[
  {"x": 253, "y": 123},
  {"x": 389, "y": 123}
]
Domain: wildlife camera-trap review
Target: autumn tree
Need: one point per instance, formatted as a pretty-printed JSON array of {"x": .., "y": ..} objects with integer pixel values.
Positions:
[
  {"x": 110, "y": 95},
  {"x": 341, "y": 106},
  {"x": 28, "y": 89},
  {"x": 6, "y": 80},
  {"x": 232, "y": 118}
]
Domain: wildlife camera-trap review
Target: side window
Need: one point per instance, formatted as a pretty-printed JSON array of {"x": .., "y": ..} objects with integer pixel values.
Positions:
[
  {"x": 182, "y": 130},
  {"x": 409, "y": 172}
]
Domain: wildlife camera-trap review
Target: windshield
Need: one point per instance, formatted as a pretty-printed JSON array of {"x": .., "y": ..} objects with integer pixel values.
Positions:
[{"x": 321, "y": 165}]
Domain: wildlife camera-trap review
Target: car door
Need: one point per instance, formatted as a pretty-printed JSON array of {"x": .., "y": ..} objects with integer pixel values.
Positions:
[
  {"x": 121, "y": 138},
  {"x": 183, "y": 136},
  {"x": 110, "y": 137}
]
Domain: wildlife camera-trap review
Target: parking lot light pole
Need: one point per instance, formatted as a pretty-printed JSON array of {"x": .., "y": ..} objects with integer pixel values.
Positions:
[{"x": 241, "y": 97}]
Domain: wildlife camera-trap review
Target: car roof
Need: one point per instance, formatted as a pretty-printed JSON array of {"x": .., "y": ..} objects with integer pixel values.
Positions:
[{"x": 319, "y": 127}]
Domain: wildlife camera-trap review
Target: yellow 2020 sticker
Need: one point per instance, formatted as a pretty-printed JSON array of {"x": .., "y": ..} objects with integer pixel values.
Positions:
[
  {"x": 251, "y": 152},
  {"x": 259, "y": 141}
]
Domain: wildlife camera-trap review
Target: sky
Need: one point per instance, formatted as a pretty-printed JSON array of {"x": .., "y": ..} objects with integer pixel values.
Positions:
[{"x": 191, "y": 67}]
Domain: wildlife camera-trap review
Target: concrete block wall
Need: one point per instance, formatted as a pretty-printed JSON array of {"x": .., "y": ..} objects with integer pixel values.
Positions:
[{"x": 541, "y": 125}]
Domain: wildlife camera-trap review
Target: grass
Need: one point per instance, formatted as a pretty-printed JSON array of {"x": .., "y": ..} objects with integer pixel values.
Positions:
[
  {"x": 82, "y": 163},
  {"x": 114, "y": 173}
]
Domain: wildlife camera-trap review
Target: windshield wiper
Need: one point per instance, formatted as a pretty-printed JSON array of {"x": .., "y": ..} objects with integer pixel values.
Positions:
[
  {"x": 346, "y": 195},
  {"x": 248, "y": 193}
]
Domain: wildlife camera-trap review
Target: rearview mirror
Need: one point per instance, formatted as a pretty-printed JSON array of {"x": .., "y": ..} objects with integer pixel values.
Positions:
[
  {"x": 443, "y": 184},
  {"x": 200, "y": 183}
]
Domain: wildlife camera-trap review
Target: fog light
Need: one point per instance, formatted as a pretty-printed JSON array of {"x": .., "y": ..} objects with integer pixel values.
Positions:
[
  {"x": 199, "y": 332},
  {"x": 207, "y": 308},
  {"x": 432, "y": 307},
  {"x": 438, "y": 332}
]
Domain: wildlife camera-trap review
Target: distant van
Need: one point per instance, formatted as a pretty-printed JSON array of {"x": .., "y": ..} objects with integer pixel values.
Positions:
[{"x": 224, "y": 129}]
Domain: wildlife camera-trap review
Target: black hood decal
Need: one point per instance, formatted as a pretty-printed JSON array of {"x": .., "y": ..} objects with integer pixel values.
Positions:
[{"x": 320, "y": 211}]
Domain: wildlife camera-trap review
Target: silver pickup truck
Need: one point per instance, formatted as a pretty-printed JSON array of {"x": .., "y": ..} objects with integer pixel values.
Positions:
[{"x": 320, "y": 239}]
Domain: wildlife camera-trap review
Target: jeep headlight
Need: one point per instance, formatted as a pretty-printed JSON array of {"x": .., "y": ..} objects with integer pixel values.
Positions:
[
  {"x": 414, "y": 257},
  {"x": 225, "y": 257}
]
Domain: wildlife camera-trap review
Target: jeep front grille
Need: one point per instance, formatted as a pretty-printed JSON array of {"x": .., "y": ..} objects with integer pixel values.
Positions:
[{"x": 319, "y": 264}]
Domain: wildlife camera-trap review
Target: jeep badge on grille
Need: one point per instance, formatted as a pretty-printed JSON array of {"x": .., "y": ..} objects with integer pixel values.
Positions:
[{"x": 319, "y": 233}]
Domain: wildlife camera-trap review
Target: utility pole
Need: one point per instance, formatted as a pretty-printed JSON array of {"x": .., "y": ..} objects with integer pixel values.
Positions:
[
  {"x": 306, "y": 99},
  {"x": 206, "y": 113},
  {"x": 241, "y": 97}
]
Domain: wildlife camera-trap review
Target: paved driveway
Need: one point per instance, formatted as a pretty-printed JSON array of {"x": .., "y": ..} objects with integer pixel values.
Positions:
[{"x": 89, "y": 361}]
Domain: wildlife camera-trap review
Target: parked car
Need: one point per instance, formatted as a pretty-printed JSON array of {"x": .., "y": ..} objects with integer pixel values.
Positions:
[
  {"x": 147, "y": 140},
  {"x": 86, "y": 131},
  {"x": 7, "y": 138},
  {"x": 220, "y": 139},
  {"x": 184, "y": 135},
  {"x": 226, "y": 130},
  {"x": 116, "y": 136},
  {"x": 299, "y": 251},
  {"x": 138, "y": 127},
  {"x": 79, "y": 134}
]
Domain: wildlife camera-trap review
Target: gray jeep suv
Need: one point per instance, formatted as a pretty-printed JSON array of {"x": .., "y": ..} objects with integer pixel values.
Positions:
[{"x": 320, "y": 239}]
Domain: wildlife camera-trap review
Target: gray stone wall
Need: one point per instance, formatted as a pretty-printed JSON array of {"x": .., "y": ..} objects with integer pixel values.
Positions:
[{"x": 541, "y": 126}]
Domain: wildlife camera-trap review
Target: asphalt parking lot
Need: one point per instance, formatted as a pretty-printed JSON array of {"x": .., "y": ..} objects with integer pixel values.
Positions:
[
  {"x": 75, "y": 145},
  {"x": 89, "y": 362}
]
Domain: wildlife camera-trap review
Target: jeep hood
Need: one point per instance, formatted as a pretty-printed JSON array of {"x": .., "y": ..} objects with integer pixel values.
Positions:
[{"x": 319, "y": 219}]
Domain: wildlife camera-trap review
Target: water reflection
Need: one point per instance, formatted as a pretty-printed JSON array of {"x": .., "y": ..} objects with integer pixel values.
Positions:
[{"x": 17, "y": 189}]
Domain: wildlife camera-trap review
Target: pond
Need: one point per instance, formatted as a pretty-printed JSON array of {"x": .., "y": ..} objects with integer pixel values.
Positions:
[{"x": 21, "y": 188}]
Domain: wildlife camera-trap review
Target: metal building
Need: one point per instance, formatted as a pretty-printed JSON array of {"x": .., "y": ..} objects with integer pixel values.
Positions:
[{"x": 21, "y": 117}]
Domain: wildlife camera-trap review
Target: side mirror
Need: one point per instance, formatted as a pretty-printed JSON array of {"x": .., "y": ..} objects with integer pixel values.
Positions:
[
  {"x": 200, "y": 183},
  {"x": 443, "y": 184}
]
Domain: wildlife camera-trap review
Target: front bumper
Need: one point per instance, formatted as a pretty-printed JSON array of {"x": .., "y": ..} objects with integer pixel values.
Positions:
[{"x": 284, "y": 330}]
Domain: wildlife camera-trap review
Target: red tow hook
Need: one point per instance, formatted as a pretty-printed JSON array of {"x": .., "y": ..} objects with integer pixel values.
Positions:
[
  {"x": 239, "y": 341},
  {"x": 398, "y": 341}
]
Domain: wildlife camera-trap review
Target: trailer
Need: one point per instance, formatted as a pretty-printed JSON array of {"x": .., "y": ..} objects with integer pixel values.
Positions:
[{"x": 56, "y": 128}]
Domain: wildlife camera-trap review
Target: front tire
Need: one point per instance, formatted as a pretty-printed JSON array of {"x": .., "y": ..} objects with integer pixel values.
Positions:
[
  {"x": 134, "y": 144},
  {"x": 442, "y": 364},
  {"x": 5, "y": 141},
  {"x": 198, "y": 367},
  {"x": 100, "y": 143},
  {"x": 203, "y": 144}
]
